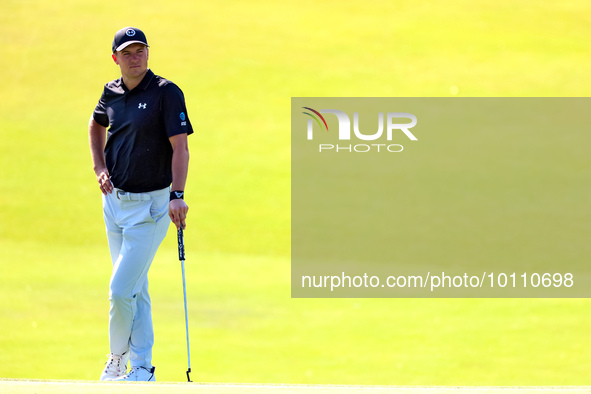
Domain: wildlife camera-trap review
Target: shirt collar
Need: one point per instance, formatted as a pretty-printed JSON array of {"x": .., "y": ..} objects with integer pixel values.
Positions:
[
  {"x": 143, "y": 85},
  {"x": 146, "y": 80}
]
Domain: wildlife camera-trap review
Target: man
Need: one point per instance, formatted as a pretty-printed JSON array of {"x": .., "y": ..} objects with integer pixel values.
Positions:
[{"x": 144, "y": 152}]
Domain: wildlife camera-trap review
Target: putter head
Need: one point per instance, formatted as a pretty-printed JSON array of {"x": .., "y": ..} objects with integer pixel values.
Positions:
[{"x": 188, "y": 377}]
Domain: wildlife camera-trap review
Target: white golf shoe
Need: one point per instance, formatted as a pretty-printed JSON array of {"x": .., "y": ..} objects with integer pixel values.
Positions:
[
  {"x": 116, "y": 366},
  {"x": 139, "y": 374}
]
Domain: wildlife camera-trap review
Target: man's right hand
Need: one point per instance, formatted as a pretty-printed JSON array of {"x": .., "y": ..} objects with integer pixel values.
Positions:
[
  {"x": 97, "y": 135},
  {"x": 102, "y": 176}
]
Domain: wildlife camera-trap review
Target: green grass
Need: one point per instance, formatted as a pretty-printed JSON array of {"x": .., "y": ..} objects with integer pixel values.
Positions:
[
  {"x": 72, "y": 386},
  {"x": 239, "y": 63}
]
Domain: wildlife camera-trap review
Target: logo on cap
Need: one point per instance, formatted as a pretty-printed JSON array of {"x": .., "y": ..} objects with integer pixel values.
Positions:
[{"x": 130, "y": 32}]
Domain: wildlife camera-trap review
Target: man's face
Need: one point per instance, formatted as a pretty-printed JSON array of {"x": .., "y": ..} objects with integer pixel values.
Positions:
[{"x": 133, "y": 60}]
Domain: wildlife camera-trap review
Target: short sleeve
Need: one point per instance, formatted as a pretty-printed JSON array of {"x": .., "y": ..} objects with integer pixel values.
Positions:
[
  {"x": 174, "y": 111},
  {"x": 100, "y": 112}
]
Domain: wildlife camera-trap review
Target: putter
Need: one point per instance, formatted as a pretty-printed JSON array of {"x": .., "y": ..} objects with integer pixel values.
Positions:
[{"x": 182, "y": 259}]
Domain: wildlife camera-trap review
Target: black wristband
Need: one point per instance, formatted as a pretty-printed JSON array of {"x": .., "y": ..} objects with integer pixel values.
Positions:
[{"x": 177, "y": 194}]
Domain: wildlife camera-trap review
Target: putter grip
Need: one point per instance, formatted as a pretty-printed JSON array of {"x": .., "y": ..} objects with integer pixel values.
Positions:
[{"x": 181, "y": 245}]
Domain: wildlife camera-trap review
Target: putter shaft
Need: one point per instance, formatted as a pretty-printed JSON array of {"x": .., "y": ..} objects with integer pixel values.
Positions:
[{"x": 181, "y": 243}]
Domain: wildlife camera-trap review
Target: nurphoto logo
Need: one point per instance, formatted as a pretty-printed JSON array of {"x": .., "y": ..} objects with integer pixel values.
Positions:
[{"x": 344, "y": 130}]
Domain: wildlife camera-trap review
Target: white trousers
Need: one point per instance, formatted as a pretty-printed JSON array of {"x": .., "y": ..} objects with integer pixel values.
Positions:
[{"x": 136, "y": 224}]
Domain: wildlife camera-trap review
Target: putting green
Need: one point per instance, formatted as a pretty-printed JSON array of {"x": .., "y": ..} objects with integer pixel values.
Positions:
[{"x": 46, "y": 387}]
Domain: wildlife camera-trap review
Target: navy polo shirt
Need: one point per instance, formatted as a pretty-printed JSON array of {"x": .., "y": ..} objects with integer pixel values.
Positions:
[{"x": 138, "y": 152}]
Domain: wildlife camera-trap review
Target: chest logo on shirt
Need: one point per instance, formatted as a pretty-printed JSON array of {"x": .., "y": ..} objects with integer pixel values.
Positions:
[{"x": 142, "y": 106}]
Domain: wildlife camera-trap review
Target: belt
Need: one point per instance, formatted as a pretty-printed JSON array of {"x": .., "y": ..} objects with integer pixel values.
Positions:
[{"x": 127, "y": 196}]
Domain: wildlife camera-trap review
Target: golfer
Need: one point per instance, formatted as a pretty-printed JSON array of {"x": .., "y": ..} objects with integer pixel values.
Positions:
[{"x": 141, "y": 165}]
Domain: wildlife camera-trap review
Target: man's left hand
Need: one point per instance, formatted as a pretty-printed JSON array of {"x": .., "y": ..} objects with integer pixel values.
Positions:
[{"x": 177, "y": 210}]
